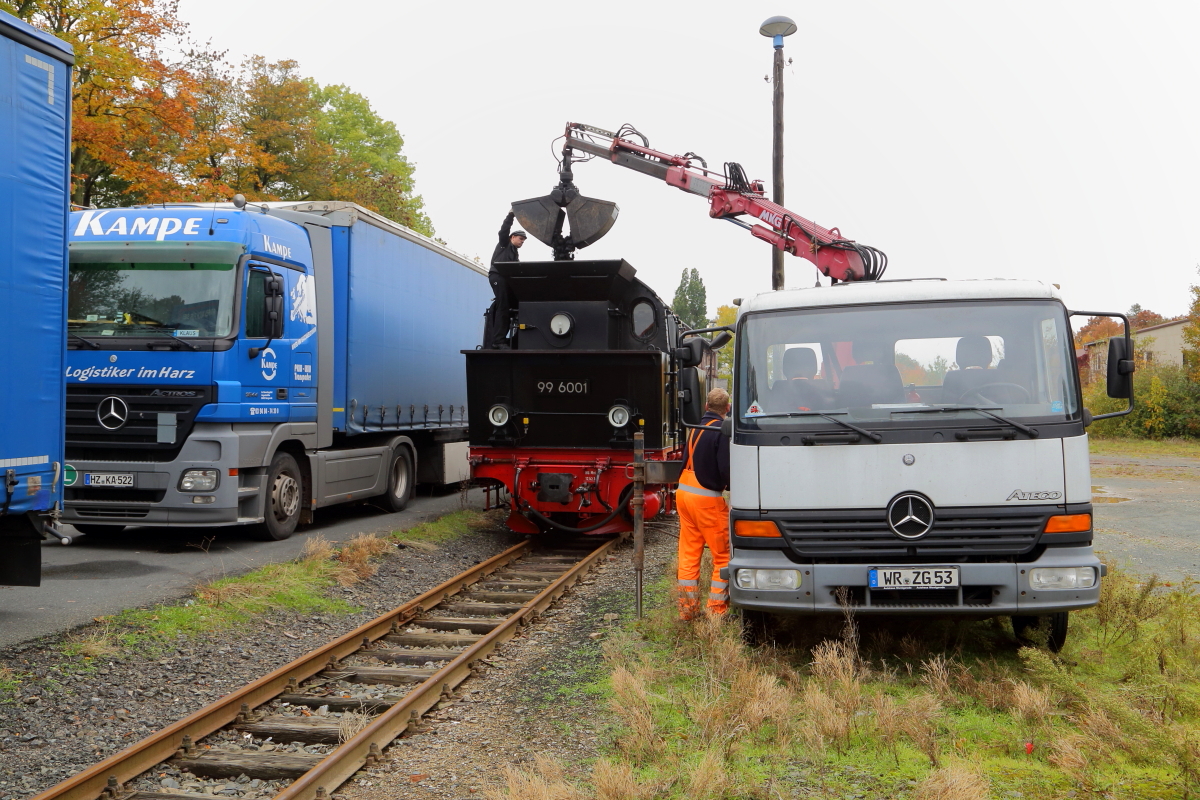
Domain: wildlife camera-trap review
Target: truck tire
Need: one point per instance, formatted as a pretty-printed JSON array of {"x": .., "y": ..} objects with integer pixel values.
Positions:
[
  {"x": 285, "y": 497},
  {"x": 1056, "y": 635},
  {"x": 98, "y": 530},
  {"x": 400, "y": 480}
]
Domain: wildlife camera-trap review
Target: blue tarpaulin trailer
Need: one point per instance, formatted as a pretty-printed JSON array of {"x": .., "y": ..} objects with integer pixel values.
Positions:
[{"x": 35, "y": 141}]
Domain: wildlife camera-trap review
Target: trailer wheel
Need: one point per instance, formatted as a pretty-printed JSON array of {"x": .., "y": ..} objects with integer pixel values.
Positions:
[
  {"x": 284, "y": 498},
  {"x": 1027, "y": 629},
  {"x": 99, "y": 530},
  {"x": 400, "y": 480}
]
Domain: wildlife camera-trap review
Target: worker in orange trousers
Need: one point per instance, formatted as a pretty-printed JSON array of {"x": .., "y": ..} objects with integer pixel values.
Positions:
[{"x": 703, "y": 513}]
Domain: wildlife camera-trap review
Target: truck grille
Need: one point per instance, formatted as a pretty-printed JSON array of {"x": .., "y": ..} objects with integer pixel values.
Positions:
[
  {"x": 137, "y": 439},
  {"x": 957, "y": 533},
  {"x": 972, "y": 597},
  {"x": 103, "y": 495}
]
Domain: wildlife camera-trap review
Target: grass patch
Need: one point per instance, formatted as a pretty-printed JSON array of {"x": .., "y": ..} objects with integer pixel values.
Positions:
[
  {"x": 444, "y": 528},
  {"x": 299, "y": 586},
  {"x": 1145, "y": 448},
  {"x": 918, "y": 710},
  {"x": 10, "y": 684}
]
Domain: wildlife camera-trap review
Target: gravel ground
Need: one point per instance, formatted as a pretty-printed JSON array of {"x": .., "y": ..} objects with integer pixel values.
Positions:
[
  {"x": 1145, "y": 513},
  {"x": 68, "y": 716},
  {"x": 530, "y": 700}
]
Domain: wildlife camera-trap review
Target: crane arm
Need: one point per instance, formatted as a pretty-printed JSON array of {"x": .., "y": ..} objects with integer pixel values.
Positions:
[{"x": 731, "y": 196}]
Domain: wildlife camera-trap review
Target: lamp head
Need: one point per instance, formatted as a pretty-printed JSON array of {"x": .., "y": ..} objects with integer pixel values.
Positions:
[{"x": 777, "y": 26}]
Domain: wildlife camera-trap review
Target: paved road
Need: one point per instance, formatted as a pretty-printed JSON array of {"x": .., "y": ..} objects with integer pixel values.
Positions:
[
  {"x": 141, "y": 566},
  {"x": 1147, "y": 513}
]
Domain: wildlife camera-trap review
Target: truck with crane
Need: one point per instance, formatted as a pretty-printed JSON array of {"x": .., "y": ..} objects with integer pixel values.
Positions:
[
  {"x": 35, "y": 181},
  {"x": 898, "y": 447}
]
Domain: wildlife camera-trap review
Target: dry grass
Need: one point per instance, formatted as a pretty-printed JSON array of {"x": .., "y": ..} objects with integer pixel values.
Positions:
[
  {"x": 922, "y": 717},
  {"x": 350, "y": 723},
  {"x": 358, "y": 555},
  {"x": 546, "y": 781},
  {"x": 616, "y": 781},
  {"x": 708, "y": 779},
  {"x": 97, "y": 641},
  {"x": 1032, "y": 705},
  {"x": 631, "y": 702},
  {"x": 952, "y": 783}
]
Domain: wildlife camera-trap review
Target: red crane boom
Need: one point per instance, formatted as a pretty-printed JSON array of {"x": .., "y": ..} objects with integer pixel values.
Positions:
[{"x": 731, "y": 196}]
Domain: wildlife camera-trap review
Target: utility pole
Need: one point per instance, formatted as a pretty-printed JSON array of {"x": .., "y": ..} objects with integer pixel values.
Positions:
[{"x": 777, "y": 28}]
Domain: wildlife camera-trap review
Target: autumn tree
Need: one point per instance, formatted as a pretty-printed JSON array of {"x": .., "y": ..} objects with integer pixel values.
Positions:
[
  {"x": 1191, "y": 336},
  {"x": 129, "y": 102},
  {"x": 1143, "y": 317},
  {"x": 691, "y": 301}
]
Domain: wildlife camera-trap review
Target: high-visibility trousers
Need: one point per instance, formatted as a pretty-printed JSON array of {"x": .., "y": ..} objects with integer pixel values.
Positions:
[{"x": 703, "y": 520}]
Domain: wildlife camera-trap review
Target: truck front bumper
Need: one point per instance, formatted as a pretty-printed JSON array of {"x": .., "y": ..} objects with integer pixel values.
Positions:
[
  {"x": 155, "y": 497},
  {"x": 987, "y": 589}
]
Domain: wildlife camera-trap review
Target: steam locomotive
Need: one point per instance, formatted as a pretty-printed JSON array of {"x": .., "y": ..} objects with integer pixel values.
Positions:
[{"x": 593, "y": 356}]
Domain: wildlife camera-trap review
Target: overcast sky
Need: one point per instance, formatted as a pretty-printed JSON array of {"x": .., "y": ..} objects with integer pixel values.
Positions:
[{"x": 1047, "y": 140}]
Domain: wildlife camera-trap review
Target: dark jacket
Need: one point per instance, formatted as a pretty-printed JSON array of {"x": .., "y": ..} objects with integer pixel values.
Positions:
[
  {"x": 505, "y": 249},
  {"x": 710, "y": 457}
]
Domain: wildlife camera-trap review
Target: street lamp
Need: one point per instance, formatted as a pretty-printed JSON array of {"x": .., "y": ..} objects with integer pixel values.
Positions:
[{"x": 776, "y": 28}]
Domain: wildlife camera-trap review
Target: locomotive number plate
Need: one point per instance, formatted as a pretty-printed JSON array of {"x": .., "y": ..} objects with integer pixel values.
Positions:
[{"x": 562, "y": 387}]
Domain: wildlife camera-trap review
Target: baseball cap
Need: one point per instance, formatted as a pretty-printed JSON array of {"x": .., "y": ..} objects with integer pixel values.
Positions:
[{"x": 522, "y": 234}]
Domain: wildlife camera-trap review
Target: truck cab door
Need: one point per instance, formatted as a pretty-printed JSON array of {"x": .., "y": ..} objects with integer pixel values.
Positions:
[{"x": 267, "y": 376}]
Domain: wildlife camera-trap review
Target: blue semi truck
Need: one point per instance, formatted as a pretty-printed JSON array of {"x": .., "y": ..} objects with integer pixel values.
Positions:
[
  {"x": 237, "y": 364},
  {"x": 35, "y": 159}
]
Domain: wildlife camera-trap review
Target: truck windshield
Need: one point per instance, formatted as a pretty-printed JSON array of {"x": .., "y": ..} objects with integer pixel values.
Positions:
[
  {"x": 890, "y": 365},
  {"x": 136, "y": 299}
]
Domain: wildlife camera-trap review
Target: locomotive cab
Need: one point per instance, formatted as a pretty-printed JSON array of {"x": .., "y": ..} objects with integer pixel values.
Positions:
[{"x": 591, "y": 360}]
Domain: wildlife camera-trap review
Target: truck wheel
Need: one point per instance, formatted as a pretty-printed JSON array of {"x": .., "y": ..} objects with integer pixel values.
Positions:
[
  {"x": 99, "y": 530},
  {"x": 284, "y": 498},
  {"x": 1025, "y": 629},
  {"x": 400, "y": 480}
]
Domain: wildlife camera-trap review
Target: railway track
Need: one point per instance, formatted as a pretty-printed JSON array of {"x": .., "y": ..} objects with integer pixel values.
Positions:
[{"x": 409, "y": 659}]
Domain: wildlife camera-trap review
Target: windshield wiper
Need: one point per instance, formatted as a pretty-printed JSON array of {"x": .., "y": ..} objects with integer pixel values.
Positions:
[
  {"x": 175, "y": 338},
  {"x": 1032, "y": 433},
  {"x": 88, "y": 342},
  {"x": 874, "y": 437}
]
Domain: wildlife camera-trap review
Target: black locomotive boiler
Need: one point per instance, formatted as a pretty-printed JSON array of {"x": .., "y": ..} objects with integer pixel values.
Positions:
[{"x": 593, "y": 356}]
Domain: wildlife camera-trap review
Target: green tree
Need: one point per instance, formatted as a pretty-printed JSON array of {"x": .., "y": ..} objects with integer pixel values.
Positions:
[
  {"x": 936, "y": 372},
  {"x": 691, "y": 301},
  {"x": 371, "y": 169},
  {"x": 726, "y": 315}
]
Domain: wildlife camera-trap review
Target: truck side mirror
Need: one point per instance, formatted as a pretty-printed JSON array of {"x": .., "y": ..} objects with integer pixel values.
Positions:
[
  {"x": 273, "y": 306},
  {"x": 727, "y": 426},
  {"x": 1120, "y": 368},
  {"x": 692, "y": 396},
  {"x": 721, "y": 339},
  {"x": 690, "y": 353}
]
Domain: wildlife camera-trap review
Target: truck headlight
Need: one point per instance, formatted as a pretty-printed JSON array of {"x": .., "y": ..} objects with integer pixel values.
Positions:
[
  {"x": 498, "y": 415},
  {"x": 1062, "y": 577},
  {"x": 618, "y": 416},
  {"x": 768, "y": 579},
  {"x": 198, "y": 480}
]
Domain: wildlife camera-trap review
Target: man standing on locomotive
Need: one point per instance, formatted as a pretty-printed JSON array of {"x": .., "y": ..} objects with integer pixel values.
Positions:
[
  {"x": 506, "y": 250},
  {"x": 703, "y": 513}
]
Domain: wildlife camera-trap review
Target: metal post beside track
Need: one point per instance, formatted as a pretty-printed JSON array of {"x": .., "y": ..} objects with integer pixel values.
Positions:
[{"x": 638, "y": 506}]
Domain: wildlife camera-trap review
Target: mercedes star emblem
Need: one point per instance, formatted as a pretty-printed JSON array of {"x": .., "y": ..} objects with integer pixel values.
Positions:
[
  {"x": 112, "y": 413},
  {"x": 910, "y": 516}
]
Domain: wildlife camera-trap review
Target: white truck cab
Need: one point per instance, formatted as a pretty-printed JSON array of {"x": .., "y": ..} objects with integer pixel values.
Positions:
[{"x": 913, "y": 448}]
